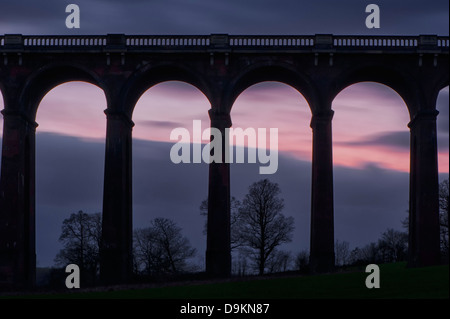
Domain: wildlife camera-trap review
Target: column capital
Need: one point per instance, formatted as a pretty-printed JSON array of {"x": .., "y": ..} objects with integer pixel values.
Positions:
[
  {"x": 321, "y": 117},
  {"x": 113, "y": 114},
  {"x": 423, "y": 115},
  {"x": 18, "y": 114},
  {"x": 219, "y": 119}
]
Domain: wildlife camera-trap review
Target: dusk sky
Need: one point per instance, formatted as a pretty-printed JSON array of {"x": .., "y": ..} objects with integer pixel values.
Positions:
[{"x": 370, "y": 133}]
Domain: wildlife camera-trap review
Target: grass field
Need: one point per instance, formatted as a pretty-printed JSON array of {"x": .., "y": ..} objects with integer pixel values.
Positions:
[{"x": 396, "y": 281}]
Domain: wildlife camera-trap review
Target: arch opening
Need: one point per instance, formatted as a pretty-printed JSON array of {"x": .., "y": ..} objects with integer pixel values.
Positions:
[
  {"x": 393, "y": 79},
  {"x": 42, "y": 82},
  {"x": 442, "y": 105},
  {"x": 371, "y": 147},
  {"x": 70, "y": 152},
  {"x": 162, "y": 188},
  {"x": 148, "y": 77},
  {"x": 270, "y": 73},
  {"x": 265, "y": 105},
  {"x": 442, "y": 127}
]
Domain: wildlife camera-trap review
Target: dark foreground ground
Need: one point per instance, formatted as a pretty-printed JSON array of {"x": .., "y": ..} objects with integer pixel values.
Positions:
[
  {"x": 405, "y": 292},
  {"x": 396, "y": 282}
]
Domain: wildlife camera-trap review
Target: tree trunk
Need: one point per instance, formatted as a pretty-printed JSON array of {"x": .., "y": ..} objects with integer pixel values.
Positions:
[{"x": 261, "y": 261}]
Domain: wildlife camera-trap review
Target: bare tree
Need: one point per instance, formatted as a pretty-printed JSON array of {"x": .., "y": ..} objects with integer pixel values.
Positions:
[
  {"x": 240, "y": 263},
  {"x": 393, "y": 245},
  {"x": 146, "y": 251},
  {"x": 235, "y": 221},
  {"x": 263, "y": 226},
  {"x": 342, "y": 252},
  {"x": 81, "y": 238},
  {"x": 279, "y": 261},
  {"x": 355, "y": 256},
  {"x": 161, "y": 248},
  {"x": 367, "y": 254},
  {"x": 443, "y": 216},
  {"x": 302, "y": 261}
]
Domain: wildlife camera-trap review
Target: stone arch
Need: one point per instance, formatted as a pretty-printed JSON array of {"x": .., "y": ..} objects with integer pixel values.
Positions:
[
  {"x": 149, "y": 76},
  {"x": 37, "y": 85},
  {"x": 45, "y": 79},
  {"x": 440, "y": 84},
  {"x": 371, "y": 160},
  {"x": 287, "y": 99},
  {"x": 117, "y": 206},
  {"x": 254, "y": 109},
  {"x": 396, "y": 79},
  {"x": 71, "y": 132},
  {"x": 178, "y": 98},
  {"x": 393, "y": 108},
  {"x": 419, "y": 91},
  {"x": 182, "y": 104},
  {"x": 442, "y": 81},
  {"x": 265, "y": 72}
]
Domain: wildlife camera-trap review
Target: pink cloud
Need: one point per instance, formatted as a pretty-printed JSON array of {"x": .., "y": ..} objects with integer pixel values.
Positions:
[
  {"x": 171, "y": 102},
  {"x": 362, "y": 111},
  {"x": 75, "y": 109}
]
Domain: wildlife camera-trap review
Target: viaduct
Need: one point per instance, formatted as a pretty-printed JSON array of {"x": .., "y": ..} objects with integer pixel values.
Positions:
[{"x": 221, "y": 66}]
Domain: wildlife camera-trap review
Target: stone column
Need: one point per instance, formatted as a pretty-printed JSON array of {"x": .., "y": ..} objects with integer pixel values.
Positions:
[
  {"x": 218, "y": 249},
  {"x": 116, "y": 248},
  {"x": 424, "y": 191},
  {"x": 322, "y": 210},
  {"x": 17, "y": 202}
]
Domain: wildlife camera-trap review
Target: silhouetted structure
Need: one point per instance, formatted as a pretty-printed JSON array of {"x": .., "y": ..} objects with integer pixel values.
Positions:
[{"x": 220, "y": 66}]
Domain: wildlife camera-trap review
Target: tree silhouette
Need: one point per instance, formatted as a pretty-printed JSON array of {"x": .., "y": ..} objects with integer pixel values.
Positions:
[
  {"x": 81, "y": 238},
  {"x": 443, "y": 216},
  {"x": 278, "y": 261},
  {"x": 341, "y": 252},
  {"x": 235, "y": 221},
  {"x": 367, "y": 254},
  {"x": 161, "y": 248},
  {"x": 146, "y": 251},
  {"x": 302, "y": 261},
  {"x": 263, "y": 227},
  {"x": 393, "y": 245}
]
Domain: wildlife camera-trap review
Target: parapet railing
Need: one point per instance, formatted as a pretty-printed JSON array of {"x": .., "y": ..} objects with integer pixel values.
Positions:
[
  {"x": 182, "y": 41},
  {"x": 222, "y": 41},
  {"x": 367, "y": 41},
  {"x": 64, "y": 41},
  {"x": 267, "y": 41},
  {"x": 389, "y": 41}
]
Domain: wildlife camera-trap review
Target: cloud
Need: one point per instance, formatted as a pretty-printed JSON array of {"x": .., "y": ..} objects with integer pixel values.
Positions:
[
  {"x": 70, "y": 170},
  {"x": 368, "y": 201},
  {"x": 69, "y": 174},
  {"x": 397, "y": 140},
  {"x": 160, "y": 124},
  {"x": 217, "y": 16}
]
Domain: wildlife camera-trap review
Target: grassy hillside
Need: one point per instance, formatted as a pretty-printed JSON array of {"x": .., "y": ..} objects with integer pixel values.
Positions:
[{"x": 396, "y": 281}]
